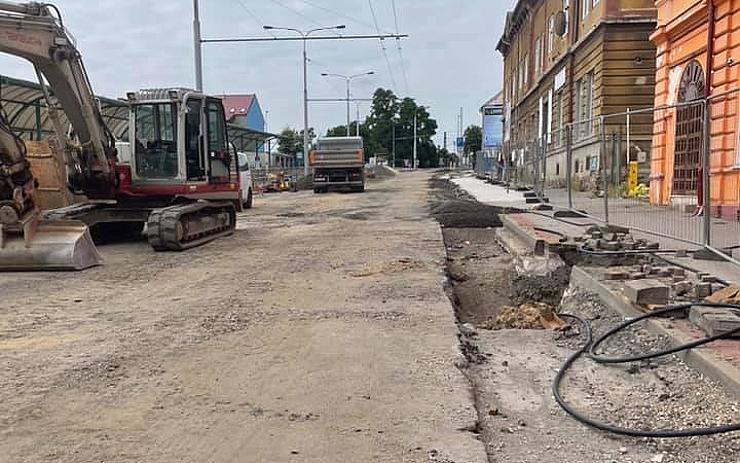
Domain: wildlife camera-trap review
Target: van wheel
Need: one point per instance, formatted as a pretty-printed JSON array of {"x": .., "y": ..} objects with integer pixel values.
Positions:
[{"x": 250, "y": 200}]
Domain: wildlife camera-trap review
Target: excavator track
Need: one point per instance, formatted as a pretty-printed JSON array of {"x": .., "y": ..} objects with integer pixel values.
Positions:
[{"x": 186, "y": 226}]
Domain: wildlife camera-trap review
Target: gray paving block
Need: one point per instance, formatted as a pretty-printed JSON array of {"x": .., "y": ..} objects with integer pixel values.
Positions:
[
  {"x": 646, "y": 292},
  {"x": 714, "y": 320}
]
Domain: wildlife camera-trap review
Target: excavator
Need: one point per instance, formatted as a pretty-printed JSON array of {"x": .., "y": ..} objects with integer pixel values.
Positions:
[{"x": 176, "y": 178}]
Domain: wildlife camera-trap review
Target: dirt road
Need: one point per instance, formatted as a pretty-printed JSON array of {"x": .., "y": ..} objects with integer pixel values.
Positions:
[{"x": 320, "y": 332}]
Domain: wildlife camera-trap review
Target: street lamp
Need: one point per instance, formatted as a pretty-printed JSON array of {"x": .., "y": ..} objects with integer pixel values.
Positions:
[
  {"x": 349, "y": 80},
  {"x": 304, "y": 35}
]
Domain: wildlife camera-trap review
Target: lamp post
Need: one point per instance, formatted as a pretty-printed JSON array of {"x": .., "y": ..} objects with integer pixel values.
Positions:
[
  {"x": 304, "y": 34},
  {"x": 348, "y": 79}
]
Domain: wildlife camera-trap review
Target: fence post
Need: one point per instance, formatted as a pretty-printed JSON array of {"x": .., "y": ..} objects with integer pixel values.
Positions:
[
  {"x": 544, "y": 163},
  {"x": 706, "y": 177},
  {"x": 569, "y": 164},
  {"x": 602, "y": 166}
]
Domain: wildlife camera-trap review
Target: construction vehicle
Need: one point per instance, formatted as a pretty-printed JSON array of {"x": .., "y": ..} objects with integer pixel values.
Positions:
[
  {"x": 176, "y": 174},
  {"x": 338, "y": 162}
]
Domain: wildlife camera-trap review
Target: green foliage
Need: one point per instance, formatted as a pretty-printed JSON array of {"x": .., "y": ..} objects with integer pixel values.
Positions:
[
  {"x": 291, "y": 141},
  {"x": 473, "y": 139},
  {"x": 390, "y": 115}
]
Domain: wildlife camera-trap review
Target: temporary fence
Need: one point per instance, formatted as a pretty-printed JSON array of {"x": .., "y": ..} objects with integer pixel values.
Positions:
[{"x": 671, "y": 171}]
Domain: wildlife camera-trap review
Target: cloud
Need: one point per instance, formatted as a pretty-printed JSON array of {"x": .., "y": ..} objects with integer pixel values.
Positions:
[{"x": 450, "y": 59}]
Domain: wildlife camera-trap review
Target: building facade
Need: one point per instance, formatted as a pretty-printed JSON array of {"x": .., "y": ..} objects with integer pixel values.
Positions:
[
  {"x": 697, "y": 57},
  {"x": 566, "y": 64}
]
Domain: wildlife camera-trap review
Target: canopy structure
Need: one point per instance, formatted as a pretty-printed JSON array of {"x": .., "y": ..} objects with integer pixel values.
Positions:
[
  {"x": 24, "y": 103},
  {"x": 25, "y": 106}
]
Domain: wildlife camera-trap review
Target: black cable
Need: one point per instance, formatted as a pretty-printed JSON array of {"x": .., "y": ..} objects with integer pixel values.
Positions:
[{"x": 589, "y": 347}]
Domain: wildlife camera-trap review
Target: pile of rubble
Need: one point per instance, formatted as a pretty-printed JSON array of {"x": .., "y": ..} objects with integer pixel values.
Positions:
[{"x": 536, "y": 316}]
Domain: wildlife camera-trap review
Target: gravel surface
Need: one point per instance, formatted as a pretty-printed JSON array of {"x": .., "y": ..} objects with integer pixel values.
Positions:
[{"x": 319, "y": 332}]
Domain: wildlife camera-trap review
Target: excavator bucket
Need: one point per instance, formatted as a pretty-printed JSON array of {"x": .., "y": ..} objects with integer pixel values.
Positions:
[{"x": 54, "y": 245}]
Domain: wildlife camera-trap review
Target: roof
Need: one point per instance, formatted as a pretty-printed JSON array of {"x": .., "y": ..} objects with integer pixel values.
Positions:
[
  {"x": 496, "y": 100},
  {"x": 235, "y": 105},
  {"x": 24, "y": 101}
]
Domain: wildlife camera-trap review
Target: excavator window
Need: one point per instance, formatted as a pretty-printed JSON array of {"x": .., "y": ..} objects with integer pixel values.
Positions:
[
  {"x": 156, "y": 140},
  {"x": 194, "y": 141},
  {"x": 218, "y": 156}
]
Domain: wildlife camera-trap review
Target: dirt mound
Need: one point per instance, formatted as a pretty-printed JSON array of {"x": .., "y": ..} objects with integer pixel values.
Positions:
[
  {"x": 537, "y": 316},
  {"x": 381, "y": 172},
  {"x": 454, "y": 208}
]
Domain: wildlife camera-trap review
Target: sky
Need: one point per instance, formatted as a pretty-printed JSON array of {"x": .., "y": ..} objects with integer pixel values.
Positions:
[{"x": 449, "y": 59}]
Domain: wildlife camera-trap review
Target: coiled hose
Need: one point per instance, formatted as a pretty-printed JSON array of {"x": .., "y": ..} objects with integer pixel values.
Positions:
[{"x": 589, "y": 349}]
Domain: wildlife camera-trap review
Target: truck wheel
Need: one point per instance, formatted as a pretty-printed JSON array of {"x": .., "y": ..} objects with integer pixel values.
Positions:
[{"x": 250, "y": 200}]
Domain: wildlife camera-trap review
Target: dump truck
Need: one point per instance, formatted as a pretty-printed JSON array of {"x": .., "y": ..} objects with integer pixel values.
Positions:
[{"x": 338, "y": 162}]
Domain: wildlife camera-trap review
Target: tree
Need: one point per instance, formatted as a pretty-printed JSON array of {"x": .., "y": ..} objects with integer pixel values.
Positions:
[
  {"x": 390, "y": 116},
  {"x": 291, "y": 141},
  {"x": 473, "y": 139}
]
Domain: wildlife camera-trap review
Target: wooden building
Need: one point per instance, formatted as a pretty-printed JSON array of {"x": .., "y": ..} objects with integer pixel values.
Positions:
[
  {"x": 698, "y": 51},
  {"x": 575, "y": 60}
]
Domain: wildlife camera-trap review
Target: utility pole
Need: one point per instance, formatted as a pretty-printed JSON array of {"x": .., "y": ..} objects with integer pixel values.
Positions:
[
  {"x": 393, "y": 146},
  {"x": 357, "y": 125},
  {"x": 348, "y": 80},
  {"x": 304, "y": 36},
  {"x": 198, "y": 44},
  {"x": 413, "y": 164}
]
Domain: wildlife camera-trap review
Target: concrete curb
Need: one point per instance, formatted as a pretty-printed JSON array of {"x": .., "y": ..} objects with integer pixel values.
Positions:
[
  {"x": 700, "y": 359},
  {"x": 511, "y": 224}
]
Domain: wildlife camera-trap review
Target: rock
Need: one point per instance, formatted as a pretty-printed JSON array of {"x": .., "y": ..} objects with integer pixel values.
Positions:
[
  {"x": 703, "y": 290},
  {"x": 714, "y": 320},
  {"x": 729, "y": 295},
  {"x": 468, "y": 329},
  {"x": 622, "y": 450},
  {"x": 616, "y": 275},
  {"x": 682, "y": 287},
  {"x": 658, "y": 458}
]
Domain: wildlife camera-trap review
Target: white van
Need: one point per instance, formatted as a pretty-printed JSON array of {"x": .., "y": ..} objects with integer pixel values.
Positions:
[{"x": 245, "y": 178}]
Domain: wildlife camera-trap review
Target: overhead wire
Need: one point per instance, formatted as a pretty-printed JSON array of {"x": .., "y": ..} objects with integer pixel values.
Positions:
[
  {"x": 382, "y": 44},
  {"x": 253, "y": 15},
  {"x": 398, "y": 47},
  {"x": 302, "y": 15},
  {"x": 338, "y": 14}
]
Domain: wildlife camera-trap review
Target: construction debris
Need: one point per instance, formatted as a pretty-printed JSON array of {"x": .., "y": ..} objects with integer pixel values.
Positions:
[
  {"x": 646, "y": 291},
  {"x": 728, "y": 295},
  {"x": 714, "y": 320},
  {"x": 536, "y": 316}
]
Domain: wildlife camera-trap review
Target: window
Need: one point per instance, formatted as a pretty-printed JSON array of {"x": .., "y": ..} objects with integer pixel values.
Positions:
[
  {"x": 584, "y": 105},
  {"x": 216, "y": 137},
  {"x": 550, "y": 34},
  {"x": 586, "y": 8},
  {"x": 537, "y": 55},
  {"x": 218, "y": 156},
  {"x": 156, "y": 140},
  {"x": 525, "y": 70},
  {"x": 566, "y": 9}
]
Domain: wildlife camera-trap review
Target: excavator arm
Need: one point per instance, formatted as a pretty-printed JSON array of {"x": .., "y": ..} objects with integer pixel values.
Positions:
[{"x": 34, "y": 31}]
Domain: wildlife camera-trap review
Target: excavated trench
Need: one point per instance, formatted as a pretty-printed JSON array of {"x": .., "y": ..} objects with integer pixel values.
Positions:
[{"x": 510, "y": 370}]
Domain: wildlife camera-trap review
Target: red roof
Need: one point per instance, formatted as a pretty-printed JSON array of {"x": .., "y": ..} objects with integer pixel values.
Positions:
[{"x": 235, "y": 105}]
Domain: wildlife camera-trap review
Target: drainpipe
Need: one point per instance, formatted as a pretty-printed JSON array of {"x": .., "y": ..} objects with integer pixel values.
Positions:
[{"x": 702, "y": 191}]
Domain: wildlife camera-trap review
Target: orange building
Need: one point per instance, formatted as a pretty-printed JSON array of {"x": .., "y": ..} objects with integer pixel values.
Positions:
[{"x": 698, "y": 52}]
